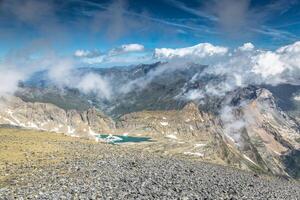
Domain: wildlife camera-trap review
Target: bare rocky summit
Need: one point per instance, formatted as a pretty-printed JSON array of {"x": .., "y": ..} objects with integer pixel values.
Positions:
[{"x": 48, "y": 117}]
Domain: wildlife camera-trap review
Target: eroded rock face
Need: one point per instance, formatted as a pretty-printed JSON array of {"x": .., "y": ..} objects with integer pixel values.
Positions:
[
  {"x": 44, "y": 116},
  {"x": 188, "y": 122},
  {"x": 258, "y": 136},
  {"x": 201, "y": 130},
  {"x": 265, "y": 135}
]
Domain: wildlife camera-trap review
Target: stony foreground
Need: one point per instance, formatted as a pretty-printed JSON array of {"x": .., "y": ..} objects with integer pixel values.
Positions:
[{"x": 51, "y": 166}]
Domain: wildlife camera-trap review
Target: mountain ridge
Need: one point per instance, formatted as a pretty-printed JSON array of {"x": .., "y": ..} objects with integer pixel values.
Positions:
[{"x": 243, "y": 128}]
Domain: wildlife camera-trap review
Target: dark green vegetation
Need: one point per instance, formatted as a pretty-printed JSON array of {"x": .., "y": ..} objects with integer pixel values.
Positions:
[
  {"x": 159, "y": 93},
  {"x": 149, "y": 87}
]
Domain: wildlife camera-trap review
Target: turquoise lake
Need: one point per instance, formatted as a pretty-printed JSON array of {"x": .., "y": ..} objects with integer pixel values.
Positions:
[{"x": 114, "y": 139}]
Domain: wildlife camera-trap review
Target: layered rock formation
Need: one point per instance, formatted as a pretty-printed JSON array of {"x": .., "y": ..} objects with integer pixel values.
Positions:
[
  {"x": 44, "y": 116},
  {"x": 258, "y": 135},
  {"x": 268, "y": 134},
  {"x": 250, "y": 131}
]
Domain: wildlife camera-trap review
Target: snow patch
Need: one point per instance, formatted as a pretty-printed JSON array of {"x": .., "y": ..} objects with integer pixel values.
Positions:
[
  {"x": 249, "y": 159},
  {"x": 164, "y": 123},
  {"x": 193, "y": 153},
  {"x": 54, "y": 130},
  {"x": 172, "y": 137},
  {"x": 200, "y": 145},
  {"x": 111, "y": 139},
  {"x": 32, "y": 125},
  {"x": 77, "y": 136},
  {"x": 91, "y": 132},
  {"x": 14, "y": 118},
  {"x": 71, "y": 130},
  {"x": 10, "y": 122},
  {"x": 191, "y": 127}
]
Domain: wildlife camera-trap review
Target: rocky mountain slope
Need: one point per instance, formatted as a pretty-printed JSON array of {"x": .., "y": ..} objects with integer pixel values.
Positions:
[
  {"x": 248, "y": 127},
  {"x": 254, "y": 135},
  {"x": 48, "y": 117},
  {"x": 57, "y": 167},
  {"x": 268, "y": 135},
  {"x": 136, "y": 88},
  {"x": 200, "y": 129},
  {"x": 157, "y": 86}
]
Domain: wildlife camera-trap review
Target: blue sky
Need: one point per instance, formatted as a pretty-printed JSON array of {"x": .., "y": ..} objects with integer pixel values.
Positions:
[{"x": 68, "y": 25}]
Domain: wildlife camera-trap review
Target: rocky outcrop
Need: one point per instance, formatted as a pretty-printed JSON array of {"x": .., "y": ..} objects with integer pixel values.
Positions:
[
  {"x": 44, "y": 116},
  {"x": 259, "y": 136},
  {"x": 201, "y": 130},
  {"x": 267, "y": 134},
  {"x": 188, "y": 122},
  {"x": 250, "y": 132}
]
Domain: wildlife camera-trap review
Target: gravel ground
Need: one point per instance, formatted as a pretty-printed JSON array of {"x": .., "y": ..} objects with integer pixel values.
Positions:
[{"x": 101, "y": 171}]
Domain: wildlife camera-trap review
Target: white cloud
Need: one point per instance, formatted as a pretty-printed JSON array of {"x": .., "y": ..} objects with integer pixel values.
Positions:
[
  {"x": 9, "y": 81},
  {"x": 202, "y": 50},
  {"x": 127, "y": 48},
  {"x": 60, "y": 72},
  {"x": 297, "y": 98},
  {"x": 95, "y": 83},
  {"x": 81, "y": 53},
  {"x": 293, "y": 48},
  {"x": 239, "y": 67},
  {"x": 231, "y": 124},
  {"x": 247, "y": 47},
  {"x": 63, "y": 74},
  {"x": 87, "y": 53},
  {"x": 132, "y": 47},
  {"x": 95, "y": 60},
  {"x": 124, "y": 55},
  {"x": 268, "y": 64},
  {"x": 245, "y": 66},
  {"x": 290, "y": 55}
]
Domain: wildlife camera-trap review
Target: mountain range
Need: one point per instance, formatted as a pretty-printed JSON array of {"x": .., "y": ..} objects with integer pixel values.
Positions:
[{"x": 255, "y": 127}]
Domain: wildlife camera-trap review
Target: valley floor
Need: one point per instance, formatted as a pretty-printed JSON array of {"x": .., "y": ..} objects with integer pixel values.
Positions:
[{"x": 41, "y": 165}]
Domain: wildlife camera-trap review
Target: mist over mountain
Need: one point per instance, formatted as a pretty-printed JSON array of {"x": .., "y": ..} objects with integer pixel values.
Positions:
[
  {"x": 173, "y": 82},
  {"x": 128, "y": 99}
]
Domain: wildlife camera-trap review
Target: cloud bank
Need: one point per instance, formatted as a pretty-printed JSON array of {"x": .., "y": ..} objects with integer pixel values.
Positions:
[
  {"x": 127, "y": 48},
  {"x": 87, "y": 53},
  {"x": 124, "y": 55},
  {"x": 247, "y": 65},
  {"x": 239, "y": 67},
  {"x": 199, "y": 51}
]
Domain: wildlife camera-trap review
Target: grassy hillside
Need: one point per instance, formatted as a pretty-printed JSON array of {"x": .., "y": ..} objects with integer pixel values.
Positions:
[{"x": 20, "y": 147}]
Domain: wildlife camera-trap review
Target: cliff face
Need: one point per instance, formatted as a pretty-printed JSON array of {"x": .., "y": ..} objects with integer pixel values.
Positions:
[
  {"x": 188, "y": 122},
  {"x": 252, "y": 133},
  {"x": 44, "y": 116},
  {"x": 270, "y": 135},
  {"x": 258, "y": 135},
  {"x": 200, "y": 132}
]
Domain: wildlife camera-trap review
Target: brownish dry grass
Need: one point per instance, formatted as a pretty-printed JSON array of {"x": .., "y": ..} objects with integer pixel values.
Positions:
[{"x": 37, "y": 148}]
